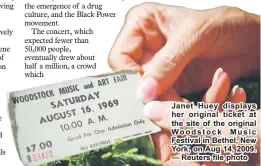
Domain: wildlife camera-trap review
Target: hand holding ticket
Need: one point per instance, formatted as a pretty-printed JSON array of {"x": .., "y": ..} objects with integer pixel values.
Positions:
[{"x": 81, "y": 115}]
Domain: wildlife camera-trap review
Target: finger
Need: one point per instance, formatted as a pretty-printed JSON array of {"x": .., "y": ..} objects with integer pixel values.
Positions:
[
  {"x": 160, "y": 113},
  {"x": 140, "y": 32},
  {"x": 217, "y": 74},
  {"x": 127, "y": 49},
  {"x": 237, "y": 95},
  {"x": 146, "y": 58},
  {"x": 161, "y": 142},
  {"x": 166, "y": 66},
  {"x": 179, "y": 162},
  {"x": 219, "y": 89}
]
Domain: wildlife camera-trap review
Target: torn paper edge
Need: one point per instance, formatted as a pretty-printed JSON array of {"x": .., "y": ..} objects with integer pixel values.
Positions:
[{"x": 14, "y": 127}]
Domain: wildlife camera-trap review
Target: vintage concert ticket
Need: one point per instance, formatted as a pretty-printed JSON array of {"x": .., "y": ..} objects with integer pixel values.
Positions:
[{"x": 68, "y": 118}]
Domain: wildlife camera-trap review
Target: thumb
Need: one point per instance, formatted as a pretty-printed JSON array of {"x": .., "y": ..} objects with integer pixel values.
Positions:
[
  {"x": 165, "y": 67},
  {"x": 161, "y": 113}
]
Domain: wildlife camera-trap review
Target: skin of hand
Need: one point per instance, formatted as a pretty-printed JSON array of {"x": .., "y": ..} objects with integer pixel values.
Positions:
[
  {"x": 160, "y": 113},
  {"x": 179, "y": 47}
]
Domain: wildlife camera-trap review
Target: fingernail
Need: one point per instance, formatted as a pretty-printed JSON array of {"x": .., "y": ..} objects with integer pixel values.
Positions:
[
  {"x": 234, "y": 90},
  {"x": 153, "y": 111},
  {"x": 217, "y": 75},
  {"x": 147, "y": 90}
]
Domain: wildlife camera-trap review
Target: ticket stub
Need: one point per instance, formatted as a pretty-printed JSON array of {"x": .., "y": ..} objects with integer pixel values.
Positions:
[{"x": 60, "y": 120}]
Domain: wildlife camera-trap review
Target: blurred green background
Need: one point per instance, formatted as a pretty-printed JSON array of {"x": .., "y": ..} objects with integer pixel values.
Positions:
[{"x": 135, "y": 152}]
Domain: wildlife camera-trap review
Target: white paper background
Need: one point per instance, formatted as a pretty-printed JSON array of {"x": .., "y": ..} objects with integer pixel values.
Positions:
[{"x": 106, "y": 31}]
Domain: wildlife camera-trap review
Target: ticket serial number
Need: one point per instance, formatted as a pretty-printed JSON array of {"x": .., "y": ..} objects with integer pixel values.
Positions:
[{"x": 35, "y": 157}]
